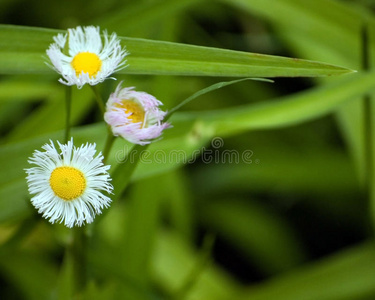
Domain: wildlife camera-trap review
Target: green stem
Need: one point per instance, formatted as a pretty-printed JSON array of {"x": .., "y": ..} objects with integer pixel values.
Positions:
[
  {"x": 73, "y": 274},
  {"x": 108, "y": 145},
  {"x": 68, "y": 104},
  {"x": 78, "y": 252},
  {"x": 99, "y": 99},
  {"x": 123, "y": 172}
]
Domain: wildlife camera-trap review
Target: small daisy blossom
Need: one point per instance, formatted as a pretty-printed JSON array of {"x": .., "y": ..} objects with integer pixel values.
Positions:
[
  {"x": 81, "y": 56},
  {"x": 135, "y": 116},
  {"x": 67, "y": 185}
]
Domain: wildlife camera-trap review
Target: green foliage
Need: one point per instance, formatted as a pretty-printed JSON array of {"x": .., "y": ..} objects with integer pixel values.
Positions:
[
  {"x": 279, "y": 171},
  {"x": 22, "y": 52}
]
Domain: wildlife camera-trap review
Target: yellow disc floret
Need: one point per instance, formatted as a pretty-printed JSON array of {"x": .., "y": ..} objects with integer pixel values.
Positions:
[
  {"x": 136, "y": 110},
  {"x": 68, "y": 183},
  {"x": 86, "y": 62}
]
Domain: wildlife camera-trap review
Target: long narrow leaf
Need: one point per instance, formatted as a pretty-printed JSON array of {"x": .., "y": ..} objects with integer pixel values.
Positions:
[
  {"x": 22, "y": 50},
  {"x": 293, "y": 110},
  {"x": 347, "y": 275},
  {"x": 209, "y": 89}
]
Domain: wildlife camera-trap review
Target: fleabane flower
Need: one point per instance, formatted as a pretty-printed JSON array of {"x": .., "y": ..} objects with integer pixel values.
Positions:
[
  {"x": 135, "y": 116},
  {"x": 82, "y": 56},
  {"x": 67, "y": 185}
]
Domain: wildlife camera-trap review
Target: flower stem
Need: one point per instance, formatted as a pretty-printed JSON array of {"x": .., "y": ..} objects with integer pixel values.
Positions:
[
  {"x": 98, "y": 99},
  {"x": 73, "y": 274},
  {"x": 78, "y": 252},
  {"x": 68, "y": 104},
  {"x": 108, "y": 145}
]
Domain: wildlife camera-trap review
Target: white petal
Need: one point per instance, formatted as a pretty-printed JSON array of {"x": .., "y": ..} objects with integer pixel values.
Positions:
[{"x": 74, "y": 212}]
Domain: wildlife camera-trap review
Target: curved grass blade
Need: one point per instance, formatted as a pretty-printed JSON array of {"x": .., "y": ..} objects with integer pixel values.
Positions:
[
  {"x": 209, "y": 89},
  {"x": 292, "y": 110}
]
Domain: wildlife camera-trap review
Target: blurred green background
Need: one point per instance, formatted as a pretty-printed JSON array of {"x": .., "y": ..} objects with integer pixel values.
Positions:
[{"x": 273, "y": 195}]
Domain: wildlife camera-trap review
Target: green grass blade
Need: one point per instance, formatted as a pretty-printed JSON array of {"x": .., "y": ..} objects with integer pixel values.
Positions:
[
  {"x": 293, "y": 110},
  {"x": 164, "y": 58},
  {"x": 174, "y": 260},
  {"x": 144, "y": 203},
  {"x": 22, "y": 51},
  {"x": 207, "y": 90},
  {"x": 346, "y": 275},
  {"x": 323, "y": 30},
  {"x": 26, "y": 90}
]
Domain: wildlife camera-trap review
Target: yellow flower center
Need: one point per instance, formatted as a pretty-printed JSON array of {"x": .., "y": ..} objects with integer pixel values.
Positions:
[
  {"x": 136, "y": 110},
  {"x": 68, "y": 183},
  {"x": 86, "y": 62}
]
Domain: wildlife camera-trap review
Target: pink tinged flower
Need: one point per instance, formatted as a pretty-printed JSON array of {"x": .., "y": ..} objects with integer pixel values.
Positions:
[
  {"x": 135, "y": 116},
  {"x": 82, "y": 56}
]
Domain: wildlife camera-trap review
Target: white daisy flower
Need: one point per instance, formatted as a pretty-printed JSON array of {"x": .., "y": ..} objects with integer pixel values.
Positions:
[
  {"x": 81, "y": 56},
  {"x": 67, "y": 185},
  {"x": 135, "y": 116}
]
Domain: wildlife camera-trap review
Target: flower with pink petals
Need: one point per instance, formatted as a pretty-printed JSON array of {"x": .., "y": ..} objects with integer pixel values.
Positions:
[{"x": 135, "y": 116}]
